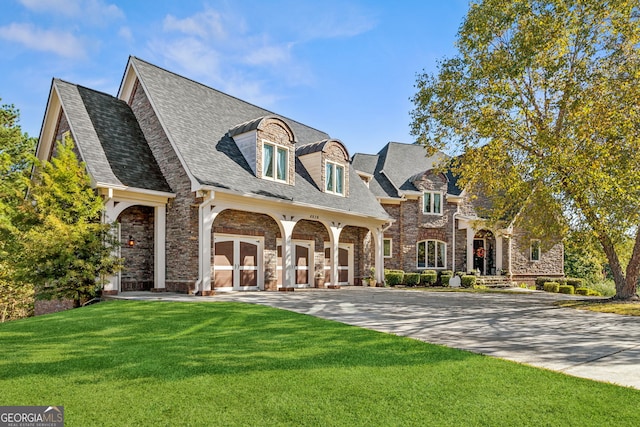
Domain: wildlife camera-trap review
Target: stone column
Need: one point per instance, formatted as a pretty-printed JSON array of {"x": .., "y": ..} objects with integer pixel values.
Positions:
[{"x": 498, "y": 254}]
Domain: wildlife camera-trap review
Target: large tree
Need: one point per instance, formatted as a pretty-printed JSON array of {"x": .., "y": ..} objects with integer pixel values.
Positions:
[
  {"x": 543, "y": 99},
  {"x": 66, "y": 251},
  {"x": 16, "y": 153}
]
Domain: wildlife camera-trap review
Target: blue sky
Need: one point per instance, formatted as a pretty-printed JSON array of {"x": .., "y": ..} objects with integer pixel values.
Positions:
[{"x": 345, "y": 67}]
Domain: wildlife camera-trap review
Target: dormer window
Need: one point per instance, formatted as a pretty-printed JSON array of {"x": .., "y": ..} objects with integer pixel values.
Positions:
[
  {"x": 334, "y": 178},
  {"x": 275, "y": 162},
  {"x": 267, "y": 144}
]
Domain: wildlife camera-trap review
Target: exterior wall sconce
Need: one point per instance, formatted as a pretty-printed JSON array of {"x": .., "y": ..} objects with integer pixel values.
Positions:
[{"x": 131, "y": 242}]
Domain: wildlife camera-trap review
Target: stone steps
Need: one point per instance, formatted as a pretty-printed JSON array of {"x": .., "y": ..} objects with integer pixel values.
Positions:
[{"x": 494, "y": 281}]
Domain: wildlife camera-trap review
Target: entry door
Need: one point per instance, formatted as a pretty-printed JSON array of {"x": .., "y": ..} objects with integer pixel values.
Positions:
[
  {"x": 345, "y": 264},
  {"x": 480, "y": 255},
  {"x": 302, "y": 262},
  {"x": 237, "y": 262}
]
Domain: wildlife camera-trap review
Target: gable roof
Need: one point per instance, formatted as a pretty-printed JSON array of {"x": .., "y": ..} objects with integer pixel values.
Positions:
[
  {"x": 395, "y": 167},
  {"x": 197, "y": 120},
  {"x": 109, "y": 139}
]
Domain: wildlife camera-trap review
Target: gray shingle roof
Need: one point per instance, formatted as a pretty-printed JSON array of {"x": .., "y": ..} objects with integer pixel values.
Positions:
[
  {"x": 109, "y": 139},
  {"x": 396, "y": 165},
  {"x": 197, "y": 120}
]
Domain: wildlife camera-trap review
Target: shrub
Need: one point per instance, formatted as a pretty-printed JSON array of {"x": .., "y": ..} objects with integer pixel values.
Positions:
[
  {"x": 411, "y": 279},
  {"x": 540, "y": 281},
  {"x": 575, "y": 282},
  {"x": 445, "y": 276},
  {"x": 551, "y": 286},
  {"x": 393, "y": 277},
  {"x": 428, "y": 278},
  {"x": 468, "y": 281},
  {"x": 593, "y": 293},
  {"x": 460, "y": 273},
  {"x": 582, "y": 291},
  {"x": 566, "y": 289},
  {"x": 605, "y": 288}
]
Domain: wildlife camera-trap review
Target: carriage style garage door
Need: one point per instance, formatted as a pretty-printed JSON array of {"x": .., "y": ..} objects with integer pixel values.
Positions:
[
  {"x": 303, "y": 263},
  {"x": 345, "y": 264},
  {"x": 237, "y": 263}
]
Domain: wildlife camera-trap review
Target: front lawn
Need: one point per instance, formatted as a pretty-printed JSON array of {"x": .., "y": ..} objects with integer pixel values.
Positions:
[{"x": 156, "y": 363}]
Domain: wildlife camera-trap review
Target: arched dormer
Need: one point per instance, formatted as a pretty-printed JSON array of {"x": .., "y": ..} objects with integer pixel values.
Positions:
[
  {"x": 327, "y": 162},
  {"x": 268, "y": 145}
]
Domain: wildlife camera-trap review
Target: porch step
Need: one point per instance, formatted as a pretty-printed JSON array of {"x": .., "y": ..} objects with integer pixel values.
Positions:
[{"x": 494, "y": 281}]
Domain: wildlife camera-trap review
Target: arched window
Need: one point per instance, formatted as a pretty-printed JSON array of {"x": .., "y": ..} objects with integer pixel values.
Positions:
[{"x": 431, "y": 254}]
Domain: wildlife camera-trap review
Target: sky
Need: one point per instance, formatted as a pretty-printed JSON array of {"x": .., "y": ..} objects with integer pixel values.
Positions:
[{"x": 345, "y": 67}]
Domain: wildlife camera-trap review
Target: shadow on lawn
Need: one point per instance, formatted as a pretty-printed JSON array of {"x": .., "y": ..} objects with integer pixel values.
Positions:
[{"x": 122, "y": 339}]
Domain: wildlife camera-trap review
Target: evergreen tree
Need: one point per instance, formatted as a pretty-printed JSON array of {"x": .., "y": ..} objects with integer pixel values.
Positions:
[
  {"x": 16, "y": 160},
  {"x": 66, "y": 250}
]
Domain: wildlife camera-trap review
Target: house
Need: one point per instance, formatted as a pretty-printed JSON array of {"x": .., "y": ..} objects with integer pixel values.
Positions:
[
  {"x": 437, "y": 225},
  {"x": 210, "y": 192}
]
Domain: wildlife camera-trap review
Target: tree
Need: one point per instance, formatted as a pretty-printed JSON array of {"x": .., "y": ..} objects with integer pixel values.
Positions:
[
  {"x": 543, "y": 99},
  {"x": 16, "y": 153},
  {"x": 66, "y": 250}
]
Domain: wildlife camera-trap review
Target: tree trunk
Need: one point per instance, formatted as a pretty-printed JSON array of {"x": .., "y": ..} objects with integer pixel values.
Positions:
[{"x": 626, "y": 284}]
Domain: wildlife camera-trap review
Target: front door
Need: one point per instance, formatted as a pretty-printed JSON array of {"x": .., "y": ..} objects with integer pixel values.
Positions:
[
  {"x": 237, "y": 262},
  {"x": 479, "y": 255}
]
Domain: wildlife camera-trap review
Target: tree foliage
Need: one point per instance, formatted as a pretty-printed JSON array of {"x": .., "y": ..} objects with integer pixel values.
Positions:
[
  {"x": 543, "y": 99},
  {"x": 16, "y": 148},
  {"x": 66, "y": 250}
]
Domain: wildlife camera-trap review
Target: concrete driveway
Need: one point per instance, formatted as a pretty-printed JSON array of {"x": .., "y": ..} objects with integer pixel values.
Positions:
[{"x": 523, "y": 327}]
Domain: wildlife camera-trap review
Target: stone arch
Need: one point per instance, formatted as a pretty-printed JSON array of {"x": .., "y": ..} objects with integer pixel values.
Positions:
[
  {"x": 137, "y": 247},
  {"x": 245, "y": 224},
  {"x": 484, "y": 252}
]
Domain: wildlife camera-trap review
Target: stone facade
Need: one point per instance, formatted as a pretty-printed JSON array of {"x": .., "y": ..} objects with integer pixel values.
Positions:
[
  {"x": 551, "y": 261},
  {"x": 412, "y": 225},
  {"x": 182, "y": 212}
]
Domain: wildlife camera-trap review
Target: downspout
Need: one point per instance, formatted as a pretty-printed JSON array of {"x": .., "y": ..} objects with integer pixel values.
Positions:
[{"x": 210, "y": 195}]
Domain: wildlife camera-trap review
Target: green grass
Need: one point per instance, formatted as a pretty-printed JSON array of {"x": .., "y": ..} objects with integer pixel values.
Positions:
[
  {"x": 627, "y": 308},
  {"x": 124, "y": 363}
]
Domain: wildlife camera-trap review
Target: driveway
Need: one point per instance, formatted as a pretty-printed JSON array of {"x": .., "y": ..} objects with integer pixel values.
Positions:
[{"x": 522, "y": 327}]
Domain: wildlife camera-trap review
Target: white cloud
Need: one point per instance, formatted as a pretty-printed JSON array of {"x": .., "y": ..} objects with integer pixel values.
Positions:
[
  {"x": 268, "y": 55},
  {"x": 125, "y": 33},
  {"x": 93, "y": 11},
  {"x": 61, "y": 43},
  {"x": 192, "y": 55},
  {"x": 205, "y": 24},
  {"x": 233, "y": 52}
]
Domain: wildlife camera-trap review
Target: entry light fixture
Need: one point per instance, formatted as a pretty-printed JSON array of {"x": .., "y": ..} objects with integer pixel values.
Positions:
[{"x": 131, "y": 242}]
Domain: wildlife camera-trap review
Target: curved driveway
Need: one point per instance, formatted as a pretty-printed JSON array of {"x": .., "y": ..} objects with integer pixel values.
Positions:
[{"x": 523, "y": 327}]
